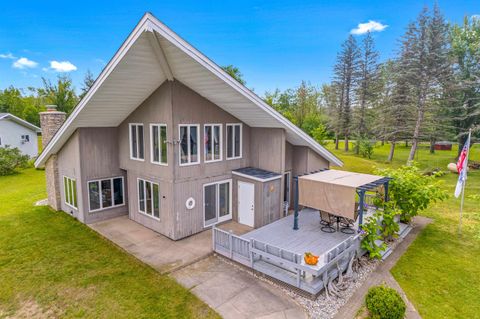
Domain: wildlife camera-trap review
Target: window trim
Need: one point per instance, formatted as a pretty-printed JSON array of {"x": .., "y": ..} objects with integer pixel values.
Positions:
[
  {"x": 152, "y": 125},
  {"x": 130, "y": 142},
  {"x": 230, "y": 215},
  {"x": 212, "y": 125},
  {"x": 241, "y": 141},
  {"x": 99, "y": 180},
  {"x": 145, "y": 193},
  {"x": 70, "y": 191},
  {"x": 180, "y": 145}
]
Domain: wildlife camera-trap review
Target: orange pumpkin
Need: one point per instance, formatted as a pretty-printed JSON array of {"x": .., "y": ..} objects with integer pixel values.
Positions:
[{"x": 310, "y": 259}]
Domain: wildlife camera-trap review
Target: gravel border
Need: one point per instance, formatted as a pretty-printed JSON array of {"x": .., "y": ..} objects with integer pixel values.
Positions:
[{"x": 321, "y": 307}]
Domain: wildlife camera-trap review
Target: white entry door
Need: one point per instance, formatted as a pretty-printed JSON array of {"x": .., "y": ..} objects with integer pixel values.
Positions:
[{"x": 246, "y": 203}]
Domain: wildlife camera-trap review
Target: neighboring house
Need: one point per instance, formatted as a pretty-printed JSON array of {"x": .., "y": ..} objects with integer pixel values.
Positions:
[
  {"x": 167, "y": 137},
  {"x": 19, "y": 133}
]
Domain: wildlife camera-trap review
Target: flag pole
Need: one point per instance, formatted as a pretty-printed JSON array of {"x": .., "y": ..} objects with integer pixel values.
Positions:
[{"x": 464, "y": 182}]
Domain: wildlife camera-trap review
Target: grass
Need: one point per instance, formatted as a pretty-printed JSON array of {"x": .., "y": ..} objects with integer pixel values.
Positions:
[
  {"x": 53, "y": 266},
  {"x": 440, "y": 272}
]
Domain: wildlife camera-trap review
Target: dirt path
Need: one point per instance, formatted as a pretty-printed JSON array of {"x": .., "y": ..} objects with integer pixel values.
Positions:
[{"x": 382, "y": 274}]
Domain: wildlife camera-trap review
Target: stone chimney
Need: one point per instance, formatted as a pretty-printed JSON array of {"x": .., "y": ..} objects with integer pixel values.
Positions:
[{"x": 50, "y": 121}]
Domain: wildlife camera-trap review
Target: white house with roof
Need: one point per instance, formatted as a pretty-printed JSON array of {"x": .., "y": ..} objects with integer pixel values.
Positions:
[{"x": 19, "y": 133}]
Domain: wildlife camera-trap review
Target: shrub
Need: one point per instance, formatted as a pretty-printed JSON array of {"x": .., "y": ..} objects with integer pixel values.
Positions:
[
  {"x": 411, "y": 190},
  {"x": 371, "y": 234},
  {"x": 385, "y": 303},
  {"x": 11, "y": 159}
]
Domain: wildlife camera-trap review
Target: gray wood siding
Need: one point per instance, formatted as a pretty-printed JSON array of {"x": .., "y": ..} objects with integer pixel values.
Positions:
[
  {"x": 267, "y": 148},
  {"x": 155, "y": 109},
  {"x": 99, "y": 148},
  {"x": 69, "y": 165},
  {"x": 166, "y": 224},
  {"x": 191, "y": 108},
  {"x": 315, "y": 161}
]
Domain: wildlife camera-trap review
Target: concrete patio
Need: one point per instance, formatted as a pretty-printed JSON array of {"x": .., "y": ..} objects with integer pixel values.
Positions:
[{"x": 158, "y": 251}]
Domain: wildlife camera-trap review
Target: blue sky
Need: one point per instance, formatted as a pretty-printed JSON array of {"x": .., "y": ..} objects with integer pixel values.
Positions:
[{"x": 275, "y": 44}]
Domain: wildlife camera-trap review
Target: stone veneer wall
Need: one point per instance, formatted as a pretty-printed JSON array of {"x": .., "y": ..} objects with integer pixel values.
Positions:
[
  {"x": 50, "y": 122},
  {"x": 53, "y": 182}
]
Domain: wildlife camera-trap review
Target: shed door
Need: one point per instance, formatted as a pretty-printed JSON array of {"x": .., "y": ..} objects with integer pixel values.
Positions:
[{"x": 246, "y": 203}]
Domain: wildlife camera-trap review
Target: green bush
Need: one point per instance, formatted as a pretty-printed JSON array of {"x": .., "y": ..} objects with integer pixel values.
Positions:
[
  {"x": 411, "y": 190},
  {"x": 11, "y": 159},
  {"x": 385, "y": 303},
  {"x": 371, "y": 234}
]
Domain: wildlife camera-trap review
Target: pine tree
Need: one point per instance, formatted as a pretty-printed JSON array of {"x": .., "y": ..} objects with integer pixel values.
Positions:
[
  {"x": 367, "y": 85},
  {"x": 346, "y": 72}
]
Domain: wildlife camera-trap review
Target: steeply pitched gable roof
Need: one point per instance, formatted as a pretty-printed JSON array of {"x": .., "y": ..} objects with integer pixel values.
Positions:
[
  {"x": 20, "y": 121},
  {"x": 152, "y": 54}
]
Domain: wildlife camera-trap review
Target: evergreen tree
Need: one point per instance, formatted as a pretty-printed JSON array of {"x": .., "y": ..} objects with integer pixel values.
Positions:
[
  {"x": 88, "y": 81},
  {"x": 346, "y": 73}
]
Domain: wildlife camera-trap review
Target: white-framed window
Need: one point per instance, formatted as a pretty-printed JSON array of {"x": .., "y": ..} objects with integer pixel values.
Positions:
[
  {"x": 105, "y": 193},
  {"x": 188, "y": 136},
  {"x": 212, "y": 138},
  {"x": 70, "y": 191},
  {"x": 148, "y": 198},
  {"x": 217, "y": 202},
  {"x": 158, "y": 144},
  {"x": 137, "y": 148},
  {"x": 234, "y": 141}
]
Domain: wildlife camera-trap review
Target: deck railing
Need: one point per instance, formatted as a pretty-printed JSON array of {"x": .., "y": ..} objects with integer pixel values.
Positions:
[{"x": 267, "y": 258}]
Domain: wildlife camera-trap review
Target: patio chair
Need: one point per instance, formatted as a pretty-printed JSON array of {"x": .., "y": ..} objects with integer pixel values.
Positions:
[
  {"x": 347, "y": 224},
  {"x": 327, "y": 221}
]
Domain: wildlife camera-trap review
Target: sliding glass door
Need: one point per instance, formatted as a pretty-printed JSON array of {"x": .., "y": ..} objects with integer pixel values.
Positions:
[{"x": 217, "y": 202}]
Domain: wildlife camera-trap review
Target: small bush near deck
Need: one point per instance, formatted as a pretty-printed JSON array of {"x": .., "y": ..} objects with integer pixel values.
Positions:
[
  {"x": 11, "y": 159},
  {"x": 385, "y": 303}
]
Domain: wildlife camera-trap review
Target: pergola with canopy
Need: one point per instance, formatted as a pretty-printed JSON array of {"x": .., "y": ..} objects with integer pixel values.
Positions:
[{"x": 333, "y": 191}]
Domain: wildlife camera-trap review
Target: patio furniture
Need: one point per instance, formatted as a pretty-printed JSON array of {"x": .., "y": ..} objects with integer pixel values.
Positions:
[
  {"x": 327, "y": 221},
  {"x": 347, "y": 224}
]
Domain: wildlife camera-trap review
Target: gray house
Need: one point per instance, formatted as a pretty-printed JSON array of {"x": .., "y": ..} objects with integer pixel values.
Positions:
[
  {"x": 167, "y": 137},
  {"x": 16, "y": 132}
]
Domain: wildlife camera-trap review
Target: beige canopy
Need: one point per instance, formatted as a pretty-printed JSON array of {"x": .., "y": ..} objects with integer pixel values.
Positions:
[{"x": 332, "y": 191}]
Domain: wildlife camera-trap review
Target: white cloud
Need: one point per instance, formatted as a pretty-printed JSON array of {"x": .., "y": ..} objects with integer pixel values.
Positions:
[
  {"x": 24, "y": 63},
  {"x": 62, "y": 66},
  {"x": 7, "y": 56},
  {"x": 370, "y": 26}
]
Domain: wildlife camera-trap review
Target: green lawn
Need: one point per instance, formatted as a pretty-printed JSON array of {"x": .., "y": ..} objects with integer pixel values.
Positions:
[
  {"x": 54, "y": 266},
  {"x": 440, "y": 272}
]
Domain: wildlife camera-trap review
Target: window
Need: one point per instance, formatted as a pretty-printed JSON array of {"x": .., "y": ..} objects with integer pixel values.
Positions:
[
  {"x": 234, "y": 141},
  {"x": 105, "y": 193},
  {"x": 136, "y": 142},
  {"x": 70, "y": 191},
  {"x": 149, "y": 198},
  {"x": 158, "y": 143},
  {"x": 213, "y": 142},
  {"x": 189, "y": 144},
  {"x": 217, "y": 202}
]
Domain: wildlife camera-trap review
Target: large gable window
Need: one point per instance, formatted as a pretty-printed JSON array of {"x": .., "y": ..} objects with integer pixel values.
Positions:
[
  {"x": 158, "y": 143},
  {"x": 136, "y": 141},
  {"x": 213, "y": 142},
  {"x": 234, "y": 141},
  {"x": 70, "y": 191},
  {"x": 189, "y": 144},
  {"x": 105, "y": 193},
  {"x": 149, "y": 198}
]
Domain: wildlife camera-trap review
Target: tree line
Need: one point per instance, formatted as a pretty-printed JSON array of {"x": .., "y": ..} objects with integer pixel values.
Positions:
[{"x": 430, "y": 90}]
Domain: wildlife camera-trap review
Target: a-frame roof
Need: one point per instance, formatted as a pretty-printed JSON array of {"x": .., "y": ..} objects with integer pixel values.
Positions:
[
  {"x": 20, "y": 121},
  {"x": 151, "y": 55}
]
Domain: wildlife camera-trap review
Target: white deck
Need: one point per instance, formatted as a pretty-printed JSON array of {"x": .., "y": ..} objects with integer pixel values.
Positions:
[{"x": 308, "y": 238}]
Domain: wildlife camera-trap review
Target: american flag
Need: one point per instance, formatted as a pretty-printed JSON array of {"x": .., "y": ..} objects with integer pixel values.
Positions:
[{"x": 462, "y": 166}]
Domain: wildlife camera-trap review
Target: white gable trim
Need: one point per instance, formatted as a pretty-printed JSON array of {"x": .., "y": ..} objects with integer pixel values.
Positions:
[
  {"x": 150, "y": 23},
  {"x": 20, "y": 121}
]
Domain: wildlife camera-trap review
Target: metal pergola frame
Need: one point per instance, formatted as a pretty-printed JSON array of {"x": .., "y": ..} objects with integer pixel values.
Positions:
[{"x": 361, "y": 190}]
